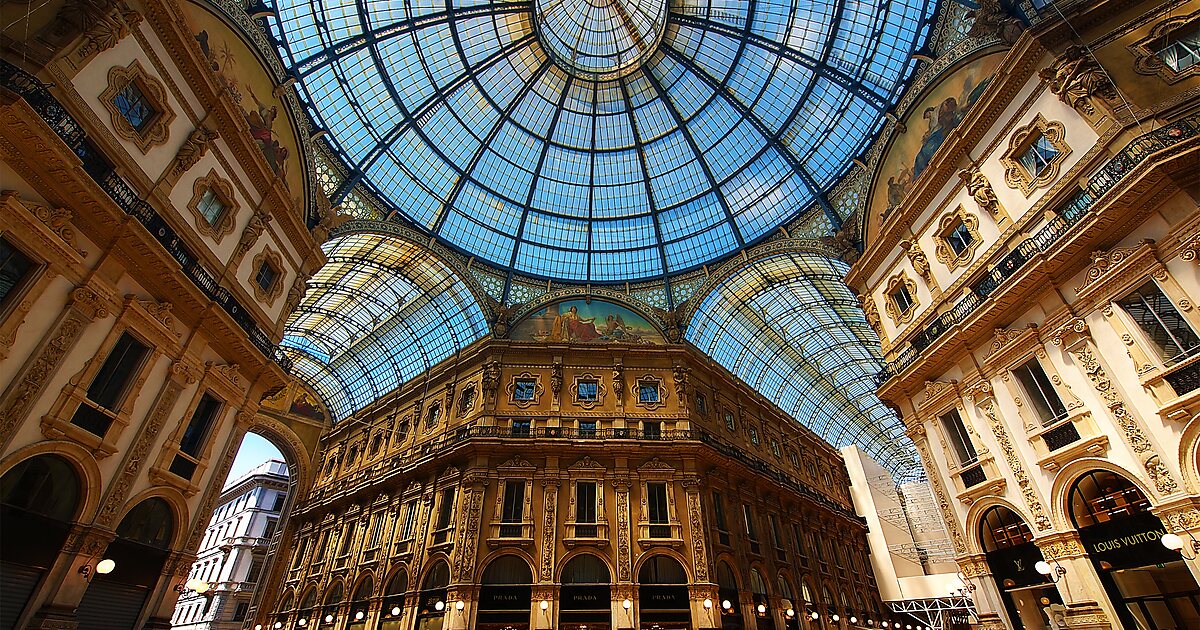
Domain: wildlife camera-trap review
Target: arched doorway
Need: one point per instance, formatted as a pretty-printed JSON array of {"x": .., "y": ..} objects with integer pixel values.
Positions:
[
  {"x": 1011, "y": 556},
  {"x": 1149, "y": 585},
  {"x": 431, "y": 605},
  {"x": 307, "y": 611},
  {"x": 787, "y": 597},
  {"x": 585, "y": 600},
  {"x": 663, "y": 595},
  {"x": 331, "y": 605},
  {"x": 810, "y": 604},
  {"x": 140, "y": 549},
  {"x": 39, "y": 499},
  {"x": 393, "y": 601},
  {"x": 505, "y": 595},
  {"x": 360, "y": 605},
  {"x": 727, "y": 592},
  {"x": 763, "y": 615}
]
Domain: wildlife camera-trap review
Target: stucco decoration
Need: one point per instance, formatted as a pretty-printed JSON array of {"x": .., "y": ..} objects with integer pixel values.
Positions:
[
  {"x": 946, "y": 225},
  {"x": 1146, "y": 50},
  {"x": 986, "y": 401},
  {"x": 223, "y": 191},
  {"x": 889, "y": 303},
  {"x": 1015, "y": 174},
  {"x": 1078, "y": 80},
  {"x": 980, "y": 190},
  {"x": 153, "y": 131}
]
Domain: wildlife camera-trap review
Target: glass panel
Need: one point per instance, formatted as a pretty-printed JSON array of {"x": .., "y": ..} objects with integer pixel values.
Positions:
[
  {"x": 15, "y": 267},
  {"x": 134, "y": 107},
  {"x": 1040, "y": 392},
  {"x": 1154, "y": 313},
  {"x": 958, "y": 437},
  {"x": 656, "y": 502}
]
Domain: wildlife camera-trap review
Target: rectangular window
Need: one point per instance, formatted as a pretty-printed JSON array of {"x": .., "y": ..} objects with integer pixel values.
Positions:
[
  {"x": 410, "y": 520},
  {"x": 256, "y": 566},
  {"x": 134, "y": 106},
  {"x": 719, "y": 511},
  {"x": 960, "y": 238},
  {"x": 266, "y": 276},
  {"x": 587, "y": 428},
  {"x": 701, "y": 404},
  {"x": 446, "y": 509},
  {"x": 1040, "y": 392},
  {"x": 960, "y": 440},
  {"x": 902, "y": 299},
  {"x": 376, "y": 535},
  {"x": 401, "y": 431},
  {"x": 15, "y": 269},
  {"x": 110, "y": 385},
  {"x": 269, "y": 528},
  {"x": 195, "y": 435},
  {"x": 585, "y": 502},
  {"x": 279, "y": 499},
  {"x": 729, "y": 422},
  {"x": 648, "y": 392},
  {"x": 347, "y": 539},
  {"x": 656, "y": 503},
  {"x": 754, "y": 436},
  {"x": 299, "y": 557},
  {"x": 1037, "y": 158},
  {"x": 239, "y": 613},
  {"x": 521, "y": 428},
  {"x": 514, "y": 501},
  {"x": 652, "y": 430},
  {"x": 775, "y": 447},
  {"x": 748, "y": 522},
  {"x": 587, "y": 391},
  {"x": 524, "y": 389},
  {"x": 323, "y": 547},
  {"x": 1166, "y": 328},
  {"x": 1180, "y": 48},
  {"x": 211, "y": 207}
]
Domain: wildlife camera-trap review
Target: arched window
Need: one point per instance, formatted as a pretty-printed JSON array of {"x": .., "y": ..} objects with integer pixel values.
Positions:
[
  {"x": 1001, "y": 528},
  {"x": 286, "y": 603},
  {"x": 361, "y": 601},
  {"x": 585, "y": 597},
  {"x": 662, "y": 569},
  {"x": 757, "y": 586},
  {"x": 150, "y": 523},
  {"x": 508, "y": 570},
  {"x": 45, "y": 485},
  {"x": 438, "y": 576},
  {"x": 585, "y": 569},
  {"x": 506, "y": 593},
  {"x": 310, "y": 599},
  {"x": 431, "y": 607},
  {"x": 393, "y": 600},
  {"x": 806, "y": 592},
  {"x": 727, "y": 589},
  {"x": 1101, "y": 496},
  {"x": 662, "y": 592},
  {"x": 334, "y": 596}
]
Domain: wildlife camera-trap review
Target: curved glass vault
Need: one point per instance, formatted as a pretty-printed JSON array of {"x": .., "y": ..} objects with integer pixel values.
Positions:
[
  {"x": 789, "y": 327},
  {"x": 381, "y": 312},
  {"x": 599, "y": 140}
]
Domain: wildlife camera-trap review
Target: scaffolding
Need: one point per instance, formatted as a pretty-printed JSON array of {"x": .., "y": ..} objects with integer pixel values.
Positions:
[{"x": 937, "y": 612}]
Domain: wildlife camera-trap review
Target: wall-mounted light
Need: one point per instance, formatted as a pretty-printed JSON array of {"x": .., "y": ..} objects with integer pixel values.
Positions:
[
  {"x": 302, "y": 622},
  {"x": 358, "y": 615},
  {"x": 707, "y": 604},
  {"x": 726, "y": 604},
  {"x": 835, "y": 618},
  {"x": 627, "y": 604},
  {"x": 1055, "y": 572},
  {"x": 1175, "y": 543},
  {"x": 790, "y": 612},
  {"x": 439, "y": 606},
  {"x": 258, "y": 626},
  {"x": 278, "y": 625},
  {"x": 395, "y": 611},
  {"x": 815, "y": 616},
  {"x": 328, "y": 618},
  {"x": 544, "y": 605},
  {"x": 853, "y": 619},
  {"x": 104, "y": 567},
  {"x": 761, "y": 609}
]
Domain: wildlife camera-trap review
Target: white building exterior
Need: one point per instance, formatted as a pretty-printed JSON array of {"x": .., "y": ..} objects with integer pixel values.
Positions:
[{"x": 233, "y": 552}]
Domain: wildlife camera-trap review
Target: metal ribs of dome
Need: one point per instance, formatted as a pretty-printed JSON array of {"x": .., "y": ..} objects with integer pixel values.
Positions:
[{"x": 735, "y": 121}]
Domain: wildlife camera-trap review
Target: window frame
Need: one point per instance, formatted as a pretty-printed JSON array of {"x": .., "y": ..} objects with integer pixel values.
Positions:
[
  {"x": 1016, "y": 175},
  {"x": 221, "y": 190},
  {"x": 156, "y": 130}
]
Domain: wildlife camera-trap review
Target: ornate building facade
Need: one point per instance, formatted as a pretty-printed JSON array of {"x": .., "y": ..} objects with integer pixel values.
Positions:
[
  {"x": 1034, "y": 291},
  {"x": 537, "y": 484}
]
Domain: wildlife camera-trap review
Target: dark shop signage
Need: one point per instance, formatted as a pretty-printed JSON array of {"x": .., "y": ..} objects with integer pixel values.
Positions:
[
  {"x": 492, "y": 597},
  {"x": 1129, "y": 542},
  {"x": 1017, "y": 564},
  {"x": 585, "y": 598},
  {"x": 663, "y": 597}
]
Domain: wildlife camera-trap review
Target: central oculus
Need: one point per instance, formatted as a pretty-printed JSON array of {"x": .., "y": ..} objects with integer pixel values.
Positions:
[{"x": 600, "y": 39}]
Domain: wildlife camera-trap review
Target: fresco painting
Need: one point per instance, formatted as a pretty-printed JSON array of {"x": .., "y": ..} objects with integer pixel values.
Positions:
[
  {"x": 246, "y": 82},
  {"x": 928, "y": 125},
  {"x": 580, "y": 321}
]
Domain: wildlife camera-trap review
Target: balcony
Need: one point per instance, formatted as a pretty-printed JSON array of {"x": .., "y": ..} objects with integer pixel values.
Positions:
[
  {"x": 1077, "y": 208},
  {"x": 660, "y": 534},
  {"x": 510, "y": 534},
  {"x": 588, "y": 534}
]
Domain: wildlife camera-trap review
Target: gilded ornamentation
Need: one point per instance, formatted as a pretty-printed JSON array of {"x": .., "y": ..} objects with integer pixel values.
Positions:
[
  {"x": 933, "y": 389},
  {"x": 947, "y": 225},
  {"x": 548, "y": 528},
  {"x": 295, "y": 294},
  {"x": 872, "y": 313},
  {"x": 465, "y": 550},
  {"x": 672, "y": 322},
  {"x": 1004, "y": 336},
  {"x": 623, "y": 555},
  {"x": 59, "y": 222},
  {"x": 1134, "y": 435},
  {"x": 1103, "y": 262},
  {"x": 619, "y": 383},
  {"x": 556, "y": 378},
  {"x": 192, "y": 150},
  {"x": 648, "y": 380},
  {"x": 889, "y": 301},
  {"x": 1146, "y": 51},
  {"x": 490, "y": 379},
  {"x": 160, "y": 311},
  {"x": 587, "y": 463},
  {"x": 105, "y": 28},
  {"x": 253, "y": 230},
  {"x": 1062, "y": 549},
  {"x": 1077, "y": 79},
  {"x": 156, "y": 130},
  {"x": 920, "y": 263},
  {"x": 992, "y": 19},
  {"x": 699, "y": 555},
  {"x": 973, "y": 566},
  {"x": 1015, "y": 174},
  {"x": 1041, "y": 521},
  {"x": 681, "y": 374},
  {"x": 980, "y": 190}
]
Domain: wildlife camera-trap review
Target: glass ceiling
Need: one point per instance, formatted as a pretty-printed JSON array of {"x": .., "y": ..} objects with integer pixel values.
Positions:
[
  {"x": 788, "y": 326},
  {"x": 379, "y": 313},
  {"x": 599, "y": 140}
]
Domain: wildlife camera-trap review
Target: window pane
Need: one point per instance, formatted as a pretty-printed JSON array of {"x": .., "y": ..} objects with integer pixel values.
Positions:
[
  {"x": 197, "y": 429},
  {"x": 1167, "y": 329},
  {"x": 446, "y": 510},
  {"x": 134, "y": 107},
  {"x": 1040, "y": 392},
  {"x": 956, "y": 433},
  {"x": 514, "y": 501},
  {"x": 585, "y": 502},
  {"x": 523, "y": 389},
  {"x": 656, "y": 502},
  {"x": 648, "y": 392},
  {"x": 14, "y": 268},
  {"x": 266, "y": 276},
  {"x": 109, "y": 385},
  {"x": 587, "y": 390},
  {"x": 210, "y": 207}
]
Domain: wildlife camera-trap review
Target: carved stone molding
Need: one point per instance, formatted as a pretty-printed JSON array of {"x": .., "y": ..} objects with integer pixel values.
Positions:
[
  {"x": 58, "y": 221},
  {"x": 942, "y": 250},
  {"x": 889, "y": 303},
  {"x": 1109, "y": 268},
  {"x": 222, "y": 190},
  {"x": 538, "y": 389},
  {"x": 152, "y": 132},
  {"x": 1061, "y": 546},
  {"x": 872, "y": 312},
  {"x": 1015, "y": 174},
  {"x": 601, "y": 391},
  {"x": 980, "y": 190},
  {"x": 920, "y": 263},
  {"x": 550, "y": 511},
  {"x": 1077, "y": 79},
  {"x": 988, "y": 407},
  {"x": 1191, "y": 250},
  {"x": 190, "y": 152},
  {"x": 253, "y": 230},
  {"x": 974, "y": 566},
  {"x": 273, "y": 259},
  {"x": 1146, "y": 50}
]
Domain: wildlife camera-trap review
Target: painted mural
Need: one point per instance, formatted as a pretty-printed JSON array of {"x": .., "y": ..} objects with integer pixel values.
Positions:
[
  {"x": 238, "y": 70},
  {"x": 928, "y": 125},
  {"x": 580, "y": 321}
]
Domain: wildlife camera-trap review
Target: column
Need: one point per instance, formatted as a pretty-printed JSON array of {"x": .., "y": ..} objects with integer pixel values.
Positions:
[
  {"x": 1080, "y": 587},
  {"x": 85, "y": 546}
]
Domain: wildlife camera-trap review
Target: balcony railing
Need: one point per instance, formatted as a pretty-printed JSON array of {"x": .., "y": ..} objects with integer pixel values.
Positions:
[
  {"x": 98, "y": 167},
  {"x": 1060, "y": 436},
  {"x": 1069, "y": 214},
  {"x": 1186, "y": 379}
]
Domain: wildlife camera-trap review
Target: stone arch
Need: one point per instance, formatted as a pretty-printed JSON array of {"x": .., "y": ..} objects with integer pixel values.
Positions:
[
  {"x": 298, "y": 457},
  {"x": 430, "y": 565},
  {"x": 486, "y": 560},
  {"x": 175, "y": 501},
  {"x": 575, "y": 553},
  {"x": 1060, "y": 507},
  {"x": 763, "y": 573},
  {"x": 363, "y": 577},
  {"x": 670, "y": 553},
  {"x": 337, "y": 586},
  {"x": 730, "y": 562},
  {"x": 1189, "y": 455},
  {"x": 390, "y": 576},
  {"x": 975, "y": 516},
  {"x": 90, "y": 482}
]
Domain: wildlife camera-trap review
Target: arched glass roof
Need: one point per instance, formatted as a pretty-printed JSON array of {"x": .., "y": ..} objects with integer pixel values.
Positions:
[
  {"x": 599, "y": 140},
  {"x": 379, "y": 313},
  {"x": 789, "y": 327}
]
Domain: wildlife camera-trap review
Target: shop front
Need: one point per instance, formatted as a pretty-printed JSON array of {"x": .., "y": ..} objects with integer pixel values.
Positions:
[
  {"x": 663, "y": 602},
  {"x": 431, "y": 601},
  {"x": 1149, "y": 585},
  {"x": 585, "y": 599},
  {"x": 1012, "y": 557},
  {"x": 505, "y": 595}
]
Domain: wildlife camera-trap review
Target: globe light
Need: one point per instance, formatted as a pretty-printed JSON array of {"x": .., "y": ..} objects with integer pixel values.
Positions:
[
  {"x": 883, "y": 623},
  {"x": 258, "y": 626},
  {"x": 278, "y": 625},
  {"x": 106, "y": 565},
  {"x": 1170, "y": 541},
  {"x": 790, "y": 612},
  {"x": 328, "y": 618},
  {"x": 440, "y": 606},
  {"x": 707, "y": 604},
  {"x": 302, "y": 623},
  {"x": 627, "y": 604},
  {"x": 725, "y": 603},
  {"x": 853, "y": 619},
  {"x": 358, "y": 616},
  {"x": 815, "y": 616},
  {"x": 761, "y": 609},
  {"x": 835, "y": 618},
  {"x": 1043, "y": 567},
  {"x": 395, "y": 611},
  {"x": 459, "y": 605},
  {"x": 544, "y": 605}
]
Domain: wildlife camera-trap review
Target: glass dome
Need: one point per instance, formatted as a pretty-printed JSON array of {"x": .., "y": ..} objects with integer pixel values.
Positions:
[{"x": 599, "y": 140}]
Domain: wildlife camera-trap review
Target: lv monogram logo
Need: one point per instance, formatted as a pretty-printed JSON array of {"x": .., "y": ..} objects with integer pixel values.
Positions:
[{"x": 1020, "y": 564}]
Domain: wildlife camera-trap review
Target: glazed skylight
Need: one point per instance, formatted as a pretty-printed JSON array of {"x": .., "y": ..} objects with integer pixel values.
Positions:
[{"x": 599, "y": 140}]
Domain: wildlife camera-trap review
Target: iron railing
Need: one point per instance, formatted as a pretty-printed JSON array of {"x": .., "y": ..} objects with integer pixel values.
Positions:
[
  {"x": 101, "y": 170},
  {"x": 1061, "y": 436},
  {"x": 1185, "y": 380},
  {"x": 1066, "y": 216},
  {"x": 973, "y": 476}
]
